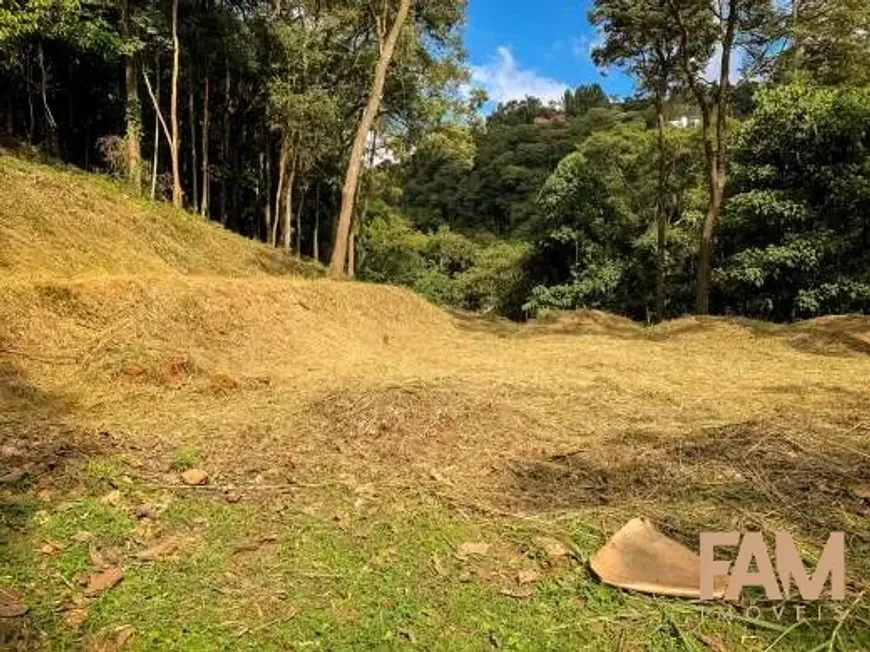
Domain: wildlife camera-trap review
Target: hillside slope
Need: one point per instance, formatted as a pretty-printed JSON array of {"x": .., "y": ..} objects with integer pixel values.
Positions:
[
  {"x": 66, "y": 223},
  {"x": 382, "y": 474}
]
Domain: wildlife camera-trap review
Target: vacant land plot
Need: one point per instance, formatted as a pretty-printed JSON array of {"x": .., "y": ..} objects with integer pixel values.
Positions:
[{"x": 385, "y": 475}]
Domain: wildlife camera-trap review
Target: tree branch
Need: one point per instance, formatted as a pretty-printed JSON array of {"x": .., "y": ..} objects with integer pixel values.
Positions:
[{"x": 157, "y": 109}]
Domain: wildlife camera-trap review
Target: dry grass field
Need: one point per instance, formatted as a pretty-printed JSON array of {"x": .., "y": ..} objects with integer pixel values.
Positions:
[{"x": 383, "y": 474}]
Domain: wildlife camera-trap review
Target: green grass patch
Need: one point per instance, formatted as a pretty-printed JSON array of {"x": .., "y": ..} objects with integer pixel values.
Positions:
[{"x": 252, "y": 578}]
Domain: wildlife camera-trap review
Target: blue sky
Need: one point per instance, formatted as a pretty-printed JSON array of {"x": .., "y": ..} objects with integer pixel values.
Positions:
[{"x": 537, "y": 47}]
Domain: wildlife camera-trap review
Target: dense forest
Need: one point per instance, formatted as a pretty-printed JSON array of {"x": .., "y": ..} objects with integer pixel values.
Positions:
[{"x": 735, "y": 181}]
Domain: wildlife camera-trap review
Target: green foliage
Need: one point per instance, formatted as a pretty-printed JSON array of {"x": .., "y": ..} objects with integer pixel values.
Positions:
[
  {"x": 444, "y": 266},
  {"x": 829, "y": 43},
  {"x": 184, "y": 458},
  {"x": 592, "y": 286},
  {"x": 390, "y": 249},
  {"x": 491, "y": 283},
  {"x": 598, "y": 233},
  {"x": 85, "y": 24},
  {"x": 795, "y": 238},
  {"x": 585, "y": 97}
]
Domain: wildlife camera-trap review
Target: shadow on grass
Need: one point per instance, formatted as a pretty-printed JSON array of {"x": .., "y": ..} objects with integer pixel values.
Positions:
[
  {"x": 743, "y": 476},
  {"x": 37, "y": 442},
  {"x": 276, "y": 262}
]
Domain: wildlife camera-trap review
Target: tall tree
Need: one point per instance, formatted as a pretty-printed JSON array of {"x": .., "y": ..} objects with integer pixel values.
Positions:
[
  {"x": 133, "y": 109},
  {"x": 177, "y": 193},
  {"x": 584, "y": 97},
  {"x": 716, "y": 28},
  {"x": 206, "y": 123},
  {"x": 640, "y": 36},
  {"x": 387, "y": 39}
]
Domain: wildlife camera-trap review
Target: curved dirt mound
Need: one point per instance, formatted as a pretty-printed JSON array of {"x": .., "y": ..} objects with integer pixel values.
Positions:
[
  {"x": 830, "y": 335},
  {"x": 144, "y": 328},
  {"x": 838, "y": 333}
]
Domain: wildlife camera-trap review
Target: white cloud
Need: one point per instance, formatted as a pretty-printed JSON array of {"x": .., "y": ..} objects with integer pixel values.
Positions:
[
  {"x": 504, "y": 80},
  {"x": 582, "y": 46}
]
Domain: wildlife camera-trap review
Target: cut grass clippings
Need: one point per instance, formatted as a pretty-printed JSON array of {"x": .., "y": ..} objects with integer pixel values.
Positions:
[{"x": 382, "y": 474}]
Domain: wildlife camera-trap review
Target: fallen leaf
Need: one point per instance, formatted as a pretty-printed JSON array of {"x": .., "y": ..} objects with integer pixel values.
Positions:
[
  {"x": 144, "y": 511},
  {"x": 160, "y": 550},
  {"x": 520, "y": 593},
  {"x": 862, "y": 491},
  {"x": 474, "y": 548},
  {"x": 122, "y": 635},
  {"x": 640, "y": 558},
  {"x": 194, "y": 477},
  {"x": 11, "y": 605},
  {"x": 14, "y": 476},
  {"x": 254, "y": 544},
  {"x": 99, "y": 562},
  {"x": 578, "y": 601},
  {"x": 51, "y": 547},
  {"x": 75, "y": 617},
  {"x": 82, "y": 536},
  {"x": 711, "y": 642},
  {"x": 438, "y": 566},
  {"x": 527, "y": 576},
  {"x": 111, "y": 499},
  {"x": 408, "y": 635},
  {"x": 98, "y": 584},
  {"x": 110, "y": 641},
  {"x": 553, "y": 548}
]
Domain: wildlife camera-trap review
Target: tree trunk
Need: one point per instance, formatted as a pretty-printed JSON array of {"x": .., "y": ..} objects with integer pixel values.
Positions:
[
  {"x": 225, "y": 144},
  {"x": 206, "y": 181},
  {"x": 193, "y": 159},
  {"x": 715, "y": 152},
  {"x": 316, "y": 247},
  {"x": 279, "y": 193},
  {"x": 177, "y": 194},
  {"x": 288, "y": 209},
  {"x": 661, "y": 215},
  {"x": 50, "y": 124},
  {"x": 299, "y": 222},
  {"x": 133, "y": 112},
  {"x": 236, "y": 205},
  {"x": 266, "y": 172},
  {"x": 716, "y": 186},
  {"x": 351, "y": 253},
  {"x": 10, "y": 116},
  {"x": 31, "y": 111},
  {"x": 348, "y": 193},
  {"x": 155, "y": 161}
]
